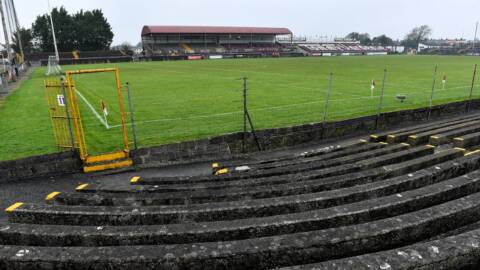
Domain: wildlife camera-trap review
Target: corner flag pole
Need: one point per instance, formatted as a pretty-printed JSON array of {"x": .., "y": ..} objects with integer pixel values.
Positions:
[{"x": 53, "y": 31}]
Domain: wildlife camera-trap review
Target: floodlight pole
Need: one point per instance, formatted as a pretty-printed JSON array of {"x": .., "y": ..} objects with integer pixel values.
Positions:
[
  {"x": 475, "y": 39},
  {"x": 53, "y": 32},
  {"x": 17, "y": 24},
  {"x": 327, "y": 101},
  {"x": 380, "y": 102},
  {"x": 5, "y": 31},
  {"x": 469, "y": 104},
  {"x": 433, "y": 91}
]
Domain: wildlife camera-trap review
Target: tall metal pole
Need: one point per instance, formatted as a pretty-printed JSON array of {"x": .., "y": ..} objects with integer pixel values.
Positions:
[
  {"x": 5, "y": 31},
  {"x": 53, "y": 32},
  {"x": 380, "y": 102},
  {"x": 469, "y": 104},
  {"x": 475, "y": 39},
  {"x": 327, "y": 99},
  {"x": 17, "y": 23},
  {"x": 132, "y": 117},
  {"x": 245, "y": 86},
  {"x": 433, "y": 91}
]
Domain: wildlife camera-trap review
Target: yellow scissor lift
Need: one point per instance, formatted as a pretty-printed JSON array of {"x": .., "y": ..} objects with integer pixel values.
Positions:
[{"x": 68, "y": 126}]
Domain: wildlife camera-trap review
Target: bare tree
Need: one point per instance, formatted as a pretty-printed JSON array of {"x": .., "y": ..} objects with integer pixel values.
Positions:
[{"x": 417, "y": 35}]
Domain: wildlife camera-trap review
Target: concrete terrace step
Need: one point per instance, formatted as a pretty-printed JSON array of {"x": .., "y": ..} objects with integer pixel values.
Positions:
[
  {"x": 239, "y": 194},
  {"x": 242, "y": 229},
  {"x": 400, "y": 135},
  {"x": 260, "y": 253},
  {"x": 423, "y": 137},
  {"x": 447, "y": 137},
  {"x": 275, "y": 170},
  {"x": 467, "y": 141},
  {"x": 31, "y": 213}
]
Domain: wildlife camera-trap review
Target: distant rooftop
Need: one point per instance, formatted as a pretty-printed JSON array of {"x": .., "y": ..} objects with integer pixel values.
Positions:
[{"x": 151, "y": 29}]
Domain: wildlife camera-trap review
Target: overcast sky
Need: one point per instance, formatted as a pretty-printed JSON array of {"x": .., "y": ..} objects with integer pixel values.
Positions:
[{"x": 304, "y": 17}]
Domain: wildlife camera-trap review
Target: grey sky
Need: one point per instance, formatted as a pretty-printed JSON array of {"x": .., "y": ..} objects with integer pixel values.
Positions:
[{"x": 303, "y": 17}]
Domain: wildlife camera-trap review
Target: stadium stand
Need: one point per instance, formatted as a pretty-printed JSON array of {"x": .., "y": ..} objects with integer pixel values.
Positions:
[
  {"x": 339, "y": 48},
  {"x": 205, "y": 40},
  {"x": 393, "y": 201}
]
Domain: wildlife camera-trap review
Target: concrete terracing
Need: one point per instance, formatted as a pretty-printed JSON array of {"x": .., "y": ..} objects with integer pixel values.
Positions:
[{"x": 402, "y": 199}]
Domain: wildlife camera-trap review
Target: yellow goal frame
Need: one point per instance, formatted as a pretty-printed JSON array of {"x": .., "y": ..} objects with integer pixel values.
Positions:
[{"x": 77, "y": 120}]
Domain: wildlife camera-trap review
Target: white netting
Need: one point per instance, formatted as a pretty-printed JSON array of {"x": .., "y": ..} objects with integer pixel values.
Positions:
[{"x": 53, "y": 66}]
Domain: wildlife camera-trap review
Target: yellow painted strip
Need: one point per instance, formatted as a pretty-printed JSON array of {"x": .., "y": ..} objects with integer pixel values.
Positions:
[
  {"x": 413, "y": 137},
  {"x": 220, "y": 172},
  {"x": 13, "y": 207},
  {"x": 106, "y": 157},
  {"x": 81, "y": 187},
  {"x": 458, "y": 139},
  {"x": 384, "y": 143},
  {"x": 52, "y": 195},
  {"x": 374, "y": 136},
  {"x": 430, "y": 146},
  {"x": 391, "y": 136},
  {"x": 460, "y": 149},
  {"x": 406, "y": 144},
  {"x": 215, "y": 165},
  {"x": 472, "y": 153},
  {"x": 134, "y": 179},
  {"x": 110, "y": 166}
]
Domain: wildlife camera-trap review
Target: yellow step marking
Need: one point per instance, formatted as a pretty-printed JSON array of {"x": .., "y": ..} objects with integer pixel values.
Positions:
[
  {"x": 220, "y": 172},
  {"x": 106, "y": 157},
  {"x": 413, "y": 137},
  {"x": 374, "y": 136},
  {"x": 134, "y": 179},
  {"x": 109, "y": 166},
  {"x": 472, "y": 153},
  {"x": 458, "y": 139},
  {"x": 430, "y": 146},
  {"x": 460, "y": 149},
  {"x": 81, "y": 187},
  {"x": 406, "y": 144},
  {"x": 215, "y": 165},
  {"x": 52, "y": 195},
  {"x": 384, "y": 143},
  {"x": 363, "y": 141},
  {"x": 13, "y": 207}
]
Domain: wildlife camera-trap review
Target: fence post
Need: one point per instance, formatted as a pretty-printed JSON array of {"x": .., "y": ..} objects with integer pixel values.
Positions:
[
  {"x": 67, "y": 113},
  {"x": 471, "y": 88},
  {"x": 132, "y": 116},
  {"x": 327, "y": 102},
  {"x": 433, "y": 91},
  {"x": 245, "y": 86},
  {"x": 380, "y": 101}
]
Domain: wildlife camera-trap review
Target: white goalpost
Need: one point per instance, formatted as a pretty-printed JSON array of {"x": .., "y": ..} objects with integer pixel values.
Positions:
[
  {"x": 53, "y": 60},
  {"x": 53, "y": 66}
]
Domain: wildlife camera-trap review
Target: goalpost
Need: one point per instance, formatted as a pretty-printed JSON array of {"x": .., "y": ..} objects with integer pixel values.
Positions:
[{"x": 53, "y": 66}]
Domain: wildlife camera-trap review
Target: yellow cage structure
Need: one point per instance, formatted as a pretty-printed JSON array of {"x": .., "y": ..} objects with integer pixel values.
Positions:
[{"x": 68, "y": 127}]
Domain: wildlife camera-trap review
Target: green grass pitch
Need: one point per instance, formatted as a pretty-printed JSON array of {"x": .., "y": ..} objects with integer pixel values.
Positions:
[{"x": 177, "y": 101}]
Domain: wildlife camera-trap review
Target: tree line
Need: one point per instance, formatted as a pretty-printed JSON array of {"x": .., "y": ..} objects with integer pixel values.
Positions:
[
  {"x": 84, "y": 31},
  {"x": 416, "y": 36}
]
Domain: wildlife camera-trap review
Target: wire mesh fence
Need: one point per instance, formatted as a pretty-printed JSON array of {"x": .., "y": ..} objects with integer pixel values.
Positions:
[{"x": 186, "y": 101}]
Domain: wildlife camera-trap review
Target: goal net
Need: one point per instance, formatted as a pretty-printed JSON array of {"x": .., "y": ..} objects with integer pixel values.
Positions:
[{"x": 53, "y": 66}]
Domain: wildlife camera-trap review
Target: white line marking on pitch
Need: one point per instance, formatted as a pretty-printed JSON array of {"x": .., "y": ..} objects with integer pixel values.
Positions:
[{"x": 93, "y": 110}]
